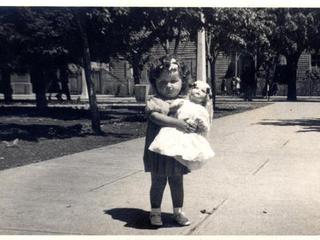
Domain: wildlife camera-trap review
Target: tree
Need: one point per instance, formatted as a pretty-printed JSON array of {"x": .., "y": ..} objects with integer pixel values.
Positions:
[
  {"x": 39, "y": 32},
  {"x": 256, "y": 28},
  {"x": 140, "y": 29},
  {"x": 8, "y": 53},
  {"x": 137, "y": 37},
  {"x": 295, "y": 32},
  {"x": 46, "y": 36},
  {"x": 82, "y": 22},
  {"x": 222, "y": 27},
  {"x": 175, "y": 24},
  {"x": 51, "y": 36},
  {"x": 133, "y": 39}
]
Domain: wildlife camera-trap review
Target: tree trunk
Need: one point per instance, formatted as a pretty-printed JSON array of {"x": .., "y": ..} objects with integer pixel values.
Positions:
[
  {"x": 267, "y": 85},
  {"x": 95, "y": 115},
  {"x": 39, "y": 87},
  {"x": 177, "y": 43},
  {"x": 64, "y": 81},
  {"x": 41, "y": 100},
  {"x": 7, "y": 89},
  {"x": 136, "y": 72},
  {"x": 167, "y": 47},
  {"x": 292, "y": 65},
  {"x": 213, "y": 82}
]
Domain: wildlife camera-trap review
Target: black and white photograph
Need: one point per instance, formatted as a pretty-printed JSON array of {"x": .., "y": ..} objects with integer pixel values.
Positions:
[{"x": 139, "y": 120}]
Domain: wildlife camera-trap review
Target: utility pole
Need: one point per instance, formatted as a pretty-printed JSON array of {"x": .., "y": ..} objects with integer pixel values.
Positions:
[{"x": 201, "y": 53}]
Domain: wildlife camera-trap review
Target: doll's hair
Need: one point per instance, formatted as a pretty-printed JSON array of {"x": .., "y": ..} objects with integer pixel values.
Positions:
[
  {"x": 169, "y": 64},
  {"x": 207, "y": 102},
  {"x": 205, "y": 86}
]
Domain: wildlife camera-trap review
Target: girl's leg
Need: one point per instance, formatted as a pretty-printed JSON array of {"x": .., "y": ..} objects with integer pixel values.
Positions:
[
  {"x": 158, "y": 184},
  {"x": 176, "y": 188}
]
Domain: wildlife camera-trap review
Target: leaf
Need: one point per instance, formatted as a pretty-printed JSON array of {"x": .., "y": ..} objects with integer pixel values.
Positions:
[{"x": 14, "y": 143}]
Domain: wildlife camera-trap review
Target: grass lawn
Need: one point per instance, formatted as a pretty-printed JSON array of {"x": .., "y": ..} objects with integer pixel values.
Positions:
[{"x": 63, "y": 130}]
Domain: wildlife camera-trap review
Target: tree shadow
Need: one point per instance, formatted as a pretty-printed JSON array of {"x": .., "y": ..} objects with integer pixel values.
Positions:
[
  {"x": 67, "y": 113},
  {"x": 284, "y": 99},
  {"x": 61, "y": 122},
  {"x": 221, "y": 109},
  {"x": 59, "y": 113},
  {"x": 308, "y": 125},
  {"x": 33, "y": 132},
  {"x": 135, "y": 118},
  {"x": 138, "y": 218}
]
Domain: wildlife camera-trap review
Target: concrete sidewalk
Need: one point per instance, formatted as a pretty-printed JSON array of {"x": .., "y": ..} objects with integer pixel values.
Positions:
[{"x": 264, "y": 180}]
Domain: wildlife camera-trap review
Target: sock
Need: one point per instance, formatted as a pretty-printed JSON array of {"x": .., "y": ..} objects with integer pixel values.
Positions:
[
  {"x": 156, "y": 210},
  {"x": 177, "y": 210}
]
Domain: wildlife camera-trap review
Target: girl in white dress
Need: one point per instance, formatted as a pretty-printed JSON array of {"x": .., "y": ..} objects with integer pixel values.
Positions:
[{"x": 190, "y": 149}]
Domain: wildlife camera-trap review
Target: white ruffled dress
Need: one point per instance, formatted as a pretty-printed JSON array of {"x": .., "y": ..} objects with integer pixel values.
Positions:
[{"x": 190, "y": 149}]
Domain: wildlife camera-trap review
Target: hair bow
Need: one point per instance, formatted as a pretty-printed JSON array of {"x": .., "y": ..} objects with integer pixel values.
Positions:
[{"x": 173, "y": 65}]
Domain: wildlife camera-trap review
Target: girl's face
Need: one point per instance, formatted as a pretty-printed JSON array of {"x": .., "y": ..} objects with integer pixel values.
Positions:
[
  {"x": 198, "y": 94},
  {"x": 169, "y": 84}
]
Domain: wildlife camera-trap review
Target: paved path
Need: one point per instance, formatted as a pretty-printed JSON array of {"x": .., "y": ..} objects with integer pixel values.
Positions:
[{"x": 264, "y": 180}]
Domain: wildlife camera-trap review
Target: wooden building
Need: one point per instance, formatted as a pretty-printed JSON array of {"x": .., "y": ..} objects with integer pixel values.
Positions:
[{"x": 116, "y": 78}]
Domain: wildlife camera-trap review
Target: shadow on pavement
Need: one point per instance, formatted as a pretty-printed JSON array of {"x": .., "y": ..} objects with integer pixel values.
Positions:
[
  {"x": 138, "y": 218},
  {"x": 308, "y": 125},
  {"x": 34, "y": 132},
  {"x": 60, "y": 113},
  {"x": 68, "y": 113}
]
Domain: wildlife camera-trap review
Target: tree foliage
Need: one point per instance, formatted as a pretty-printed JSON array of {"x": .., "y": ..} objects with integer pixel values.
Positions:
[
  {"x": 137, "y": 30},
  {"x": 296, "y": 30},
  {"x": 39, "y": 38},
  {"x": 265, "y": 34}
]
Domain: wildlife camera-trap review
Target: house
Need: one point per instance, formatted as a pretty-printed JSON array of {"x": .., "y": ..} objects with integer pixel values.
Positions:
[{"x": 116, "y": 78}]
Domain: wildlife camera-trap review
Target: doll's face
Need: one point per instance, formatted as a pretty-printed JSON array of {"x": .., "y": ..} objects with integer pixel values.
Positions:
[
  {"x": 169, "y": 84},
  {"x": 198, "y": 93}
]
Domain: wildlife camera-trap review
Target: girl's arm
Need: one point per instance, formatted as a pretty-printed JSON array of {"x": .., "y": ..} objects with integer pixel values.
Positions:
[
  {"x": 175, "y": 105},
  {"x": 202, "y": 127},
  {"x": 166, "y": 121}
]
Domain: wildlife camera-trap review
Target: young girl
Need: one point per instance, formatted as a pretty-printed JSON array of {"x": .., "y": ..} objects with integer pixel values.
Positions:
[
  {"x": 168, "y": 81},
  {"x": 190, "y": 149}
]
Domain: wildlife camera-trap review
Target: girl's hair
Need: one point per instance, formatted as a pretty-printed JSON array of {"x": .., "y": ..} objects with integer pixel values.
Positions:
[{"x": 165, "y": 64}]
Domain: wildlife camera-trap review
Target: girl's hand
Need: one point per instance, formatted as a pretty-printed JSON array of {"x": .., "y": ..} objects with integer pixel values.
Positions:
[
  {"x": 176, "y": 105},
  {"x": 157, "y": 105},
  {"x": 167, "y": 121},
  {"x": 201, "y": 126},
  {"x": 186, "y": 127}
]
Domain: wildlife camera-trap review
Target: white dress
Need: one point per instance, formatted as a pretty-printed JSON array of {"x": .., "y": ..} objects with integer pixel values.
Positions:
[{"x": 190, "y": 149}]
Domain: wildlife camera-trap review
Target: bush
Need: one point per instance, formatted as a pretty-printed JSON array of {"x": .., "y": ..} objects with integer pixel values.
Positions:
[
  {"x": 312, "y": 80},
  {"x": 313, "y": 75}
]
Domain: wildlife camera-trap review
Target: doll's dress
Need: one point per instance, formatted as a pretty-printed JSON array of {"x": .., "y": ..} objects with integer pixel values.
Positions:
[
  {"x": 190, "y": 149},
  {"x": 153, "y": 162}
]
